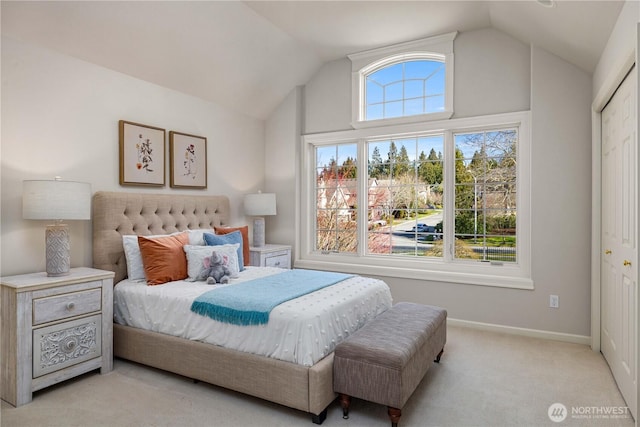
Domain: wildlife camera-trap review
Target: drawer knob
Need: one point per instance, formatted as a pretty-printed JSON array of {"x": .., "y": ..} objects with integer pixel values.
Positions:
[
  {"x": 68, "y": 345},
  {"x": 71, "y": 306}
]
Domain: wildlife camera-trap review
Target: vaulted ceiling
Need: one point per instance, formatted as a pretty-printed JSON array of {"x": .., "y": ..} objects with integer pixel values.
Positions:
[{"x": 247, "y": 56}]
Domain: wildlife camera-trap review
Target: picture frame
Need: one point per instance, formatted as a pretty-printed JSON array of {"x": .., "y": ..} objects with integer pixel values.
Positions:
[
  {"x": 187, "y": 160},
  {"x": 142, "y": 154}
]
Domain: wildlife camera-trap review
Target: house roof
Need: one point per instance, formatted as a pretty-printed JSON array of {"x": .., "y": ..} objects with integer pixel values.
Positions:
[{"x": 247, "y": 56}]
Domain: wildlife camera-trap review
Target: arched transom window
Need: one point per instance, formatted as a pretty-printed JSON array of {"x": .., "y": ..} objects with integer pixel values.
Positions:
[
  {"x": 405, "y": 88},
  {"x": 410, "y": 82}
]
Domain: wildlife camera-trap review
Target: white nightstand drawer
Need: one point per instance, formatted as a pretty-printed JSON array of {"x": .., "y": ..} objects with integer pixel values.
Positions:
[
  {"x": 281, "y": 261},
  {"x": 66, "y": 305},
  {"x": 65, "y": 344}
]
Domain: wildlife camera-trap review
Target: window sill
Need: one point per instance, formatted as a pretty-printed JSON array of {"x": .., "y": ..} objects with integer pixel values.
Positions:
[
  {"x": 364, "y": 124},
  {"x": 509, "y": 277}
]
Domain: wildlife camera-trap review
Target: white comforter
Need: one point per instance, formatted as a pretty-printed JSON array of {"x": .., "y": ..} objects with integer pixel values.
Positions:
[{"x": 302, "y": 330}]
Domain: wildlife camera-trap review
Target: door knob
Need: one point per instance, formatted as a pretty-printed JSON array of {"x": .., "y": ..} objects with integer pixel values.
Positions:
[
  {"x": 607, "y": 252},
  {"x": 626, "y": 263}
]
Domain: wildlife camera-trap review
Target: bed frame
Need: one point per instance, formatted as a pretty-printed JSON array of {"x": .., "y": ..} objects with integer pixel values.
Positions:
[{"x": 308, "y": 389}]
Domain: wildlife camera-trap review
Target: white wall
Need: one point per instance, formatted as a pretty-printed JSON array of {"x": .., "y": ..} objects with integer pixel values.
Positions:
[
  {"x": 499, "y": 74},
  {"x": 621, "y": 43},
  {"x": 60, "y": 117},
  {"x": 327, "y": 105},
  {"x": 492, "y": 74},
  {"x": 282, "y": 130}
]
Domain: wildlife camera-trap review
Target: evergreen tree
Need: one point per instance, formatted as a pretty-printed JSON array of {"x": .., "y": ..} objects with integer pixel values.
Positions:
[
  {"x": 349, "y": 169},
  {"x": 402, "y": 166},
  {"x": 391, "y": 158},
  {"x": 430, "y": 170},
  {"x": 376, "y": 168}
]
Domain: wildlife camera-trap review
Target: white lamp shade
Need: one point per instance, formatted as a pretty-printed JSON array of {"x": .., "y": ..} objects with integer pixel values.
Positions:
[
  {"x": 56, "y": 200},
  {"x": 260, "y": 204}
]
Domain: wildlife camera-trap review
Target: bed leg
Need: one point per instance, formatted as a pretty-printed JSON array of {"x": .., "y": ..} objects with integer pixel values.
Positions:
[
  {"x": 345, "y": 401},
  {"x": 319, "y": 419},
  {"x": 394, "y": 416},
  {"x": 439, "y": 356}
]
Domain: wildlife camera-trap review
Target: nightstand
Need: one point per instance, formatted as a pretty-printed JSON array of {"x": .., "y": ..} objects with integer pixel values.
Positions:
[
  {"x": 271, "y": 256},
  {"x": 53, "y": 329}
]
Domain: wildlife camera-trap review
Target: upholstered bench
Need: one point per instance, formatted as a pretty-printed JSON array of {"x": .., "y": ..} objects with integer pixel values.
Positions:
[{"x": 385, "y": 360}]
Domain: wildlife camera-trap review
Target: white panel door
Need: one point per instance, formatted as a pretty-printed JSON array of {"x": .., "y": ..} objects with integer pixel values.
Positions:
[{"x": 619, "y": 239}]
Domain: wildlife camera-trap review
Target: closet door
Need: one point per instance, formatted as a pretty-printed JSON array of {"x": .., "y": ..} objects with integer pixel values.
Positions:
[{"x": 619, "y": 239}]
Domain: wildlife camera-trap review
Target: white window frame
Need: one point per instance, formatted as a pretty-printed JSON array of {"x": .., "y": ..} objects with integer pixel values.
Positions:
[
  {"x": 433, "y": 48},
  {"x": 448, "y": 269}
]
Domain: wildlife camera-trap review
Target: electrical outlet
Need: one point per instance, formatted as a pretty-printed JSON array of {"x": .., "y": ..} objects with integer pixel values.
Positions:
[{"x": 554, "y": 301}]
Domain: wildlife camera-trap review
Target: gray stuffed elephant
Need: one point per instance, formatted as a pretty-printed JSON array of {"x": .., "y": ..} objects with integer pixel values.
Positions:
[{"x": 214, "y": 270}]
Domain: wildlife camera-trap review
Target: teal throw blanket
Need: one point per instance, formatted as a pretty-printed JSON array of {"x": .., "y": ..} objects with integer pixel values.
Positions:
[{"x": 249, "y": 303}]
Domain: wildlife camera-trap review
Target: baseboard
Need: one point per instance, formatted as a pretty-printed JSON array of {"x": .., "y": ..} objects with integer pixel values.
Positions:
[{"x": 534, "y": 333}]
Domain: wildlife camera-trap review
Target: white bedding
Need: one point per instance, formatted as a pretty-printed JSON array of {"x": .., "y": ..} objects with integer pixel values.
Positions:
[{"x": 303, "y": 330}]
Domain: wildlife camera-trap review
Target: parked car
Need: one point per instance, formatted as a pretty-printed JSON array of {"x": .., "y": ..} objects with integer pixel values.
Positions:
[
  {"x": 426, "y": 232},
  {"x": 423, "y": 228}
]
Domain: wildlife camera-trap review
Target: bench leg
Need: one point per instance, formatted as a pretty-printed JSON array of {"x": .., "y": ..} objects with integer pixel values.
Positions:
[
  {"x": 345, "y": 401},
  {"x": 439, "y": 356},
  {"x": 394, "y": 416}
]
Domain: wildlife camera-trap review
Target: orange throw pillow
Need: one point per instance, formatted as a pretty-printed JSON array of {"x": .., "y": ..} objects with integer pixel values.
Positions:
[
  {"x": 245, "y": 240},
  {"x": 163, "y": 258}
]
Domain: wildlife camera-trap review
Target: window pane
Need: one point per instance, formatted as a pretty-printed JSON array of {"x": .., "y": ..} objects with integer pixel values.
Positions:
[
  {"x": 393, "y": 109},
  {"x": 485, "y": 196},
  {"x": 418, "y": 69},
  {"x": 336, "y": 198},
  {"x": 435, "y": 81},
  {"x": 413, "y": 107},
  {"x": 386, "y": 75},
  {"x": 414, "y": 89},
  {"x": 405, "y": 89},
  {"x": 404, "y": 210},
  {"x": 375, "y": 112},
  {"x": 347, "y": 241},
  {"x": 375, "y": 92},
  {"x": 393, "y": 92},
  {"x": 434, "y": 104}
]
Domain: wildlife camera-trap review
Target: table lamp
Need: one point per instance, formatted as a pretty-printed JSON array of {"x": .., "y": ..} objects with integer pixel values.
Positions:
[
  {"x": 259, "y": 205},
  {"x": 56, "y": 200}
]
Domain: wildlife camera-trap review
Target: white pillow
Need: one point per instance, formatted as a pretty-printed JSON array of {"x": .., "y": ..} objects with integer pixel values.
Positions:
[
  {"x": 135, "y": 268},
  {"x": 196, "y": 255},
  {"x": 196, "y": 237}
]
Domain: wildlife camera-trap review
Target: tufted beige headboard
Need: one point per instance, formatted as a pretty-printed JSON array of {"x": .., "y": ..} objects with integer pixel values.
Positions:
[{"x": 116, "y": 214}]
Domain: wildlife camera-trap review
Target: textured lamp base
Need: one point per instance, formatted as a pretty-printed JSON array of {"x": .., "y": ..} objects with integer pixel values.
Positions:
[
  {"x": 58, "y": 258},
  {"x": 258, "y": 232}
]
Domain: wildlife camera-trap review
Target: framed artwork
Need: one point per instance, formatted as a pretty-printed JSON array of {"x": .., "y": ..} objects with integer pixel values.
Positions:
[
  {"x": 142, "y": 154},
  {"x": 187, "y": 160}
]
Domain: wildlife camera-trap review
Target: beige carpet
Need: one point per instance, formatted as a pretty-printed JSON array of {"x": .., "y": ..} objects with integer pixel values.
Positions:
[{"x": 484, "y": 379}]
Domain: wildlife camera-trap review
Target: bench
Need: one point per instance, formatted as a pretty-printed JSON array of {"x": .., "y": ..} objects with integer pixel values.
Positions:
[{"x": 385, "y": 360}]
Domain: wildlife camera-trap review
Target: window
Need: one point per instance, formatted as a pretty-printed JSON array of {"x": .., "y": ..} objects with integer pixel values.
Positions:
[
  {"x": 405, "y": 195},
  {"x": 485, "y": 195},
  {"x": 406, "y": 88},
  {"x": 405, "y": 83},
  {"x": 446, "y": 200},
  {"x": 336, "y": 201}
]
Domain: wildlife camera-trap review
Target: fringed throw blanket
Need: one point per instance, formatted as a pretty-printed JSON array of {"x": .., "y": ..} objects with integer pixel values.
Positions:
[{"x": 249, "y": 303}]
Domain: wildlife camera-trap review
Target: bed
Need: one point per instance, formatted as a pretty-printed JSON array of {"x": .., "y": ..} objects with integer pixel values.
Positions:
[{"x": 305, "y": 384}]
